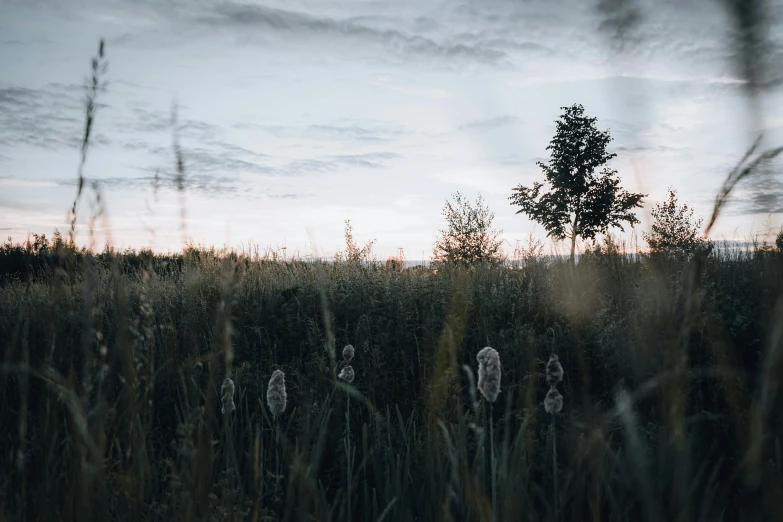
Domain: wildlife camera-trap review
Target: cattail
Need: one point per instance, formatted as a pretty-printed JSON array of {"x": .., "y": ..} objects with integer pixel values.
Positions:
[
  {"x": 489, "y": 373},
  {"x": 275, "y": 393},
  {"x": 489, "y": 386},
  {"x": 553, "y": 403},
  {"x": 554, "y": 371},
  {"x": 227, "y": 395},
  {"x": 348, "y": 353},
  {"x": 347, "y": 374}
]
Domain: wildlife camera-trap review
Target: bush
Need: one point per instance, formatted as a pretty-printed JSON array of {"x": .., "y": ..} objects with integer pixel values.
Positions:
[
  {"x": 469, "y": 239},
  {"x": 674, "y": 231}
]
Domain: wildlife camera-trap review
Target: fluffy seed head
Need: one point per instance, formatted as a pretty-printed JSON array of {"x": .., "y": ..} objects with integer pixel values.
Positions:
[
  {"x": 553, "y": 403},
  {"x": 227, "y": 396},
  {"x": 275, "y": 393},
  {"x": 348, "y": 353},
  {"x": 554, "y": 371},
  {"x": 347, "y": 374},
  {"x": 489, "y": 373}
]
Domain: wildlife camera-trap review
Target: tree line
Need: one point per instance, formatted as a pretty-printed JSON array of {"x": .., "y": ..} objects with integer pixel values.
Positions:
[{"x": 580, "y": 198}]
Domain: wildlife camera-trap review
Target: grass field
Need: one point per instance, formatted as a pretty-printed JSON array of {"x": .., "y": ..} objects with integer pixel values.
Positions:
[
  {"x": 136, "y": 386},
  {"x": 671, "y": 406}
]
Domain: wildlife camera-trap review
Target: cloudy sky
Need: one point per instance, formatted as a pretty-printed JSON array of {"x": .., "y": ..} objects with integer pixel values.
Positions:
[{"x": 296, "y": 115}]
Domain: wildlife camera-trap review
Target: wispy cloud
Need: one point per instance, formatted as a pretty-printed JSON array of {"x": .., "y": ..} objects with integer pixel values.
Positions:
[
  {"x": 214, "y": 185},
  {"x": 354, "y": 132},
  {"x": 226, "y": 159},
  {"x": 145, "y": 121},
  {"x": 656, "y": 150},
  {"x": 351, "y": 131},
  {"x": 47, "y": 117},
  {"x": 375, "y": 160},
  {"x": 206, "y": 184},
  {"x": 288, "y": 196},
  {"x": 298, "y": 23},
  {"x": 619, "y": 20},
  {"x": 764, "y": 196},
  {"x": 491, "y": 123}
]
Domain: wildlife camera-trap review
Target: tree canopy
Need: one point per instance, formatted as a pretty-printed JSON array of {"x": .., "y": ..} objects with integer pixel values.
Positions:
[
  {"x": 674, "y": 230},
  {"x": 575, "y": 200},
  {"x": 469, "y": 239}
]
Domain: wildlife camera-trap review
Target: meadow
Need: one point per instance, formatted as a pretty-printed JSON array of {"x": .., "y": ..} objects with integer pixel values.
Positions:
[
  {"x": 145, "y": 387},
  {"x": 112, "y": 405}
]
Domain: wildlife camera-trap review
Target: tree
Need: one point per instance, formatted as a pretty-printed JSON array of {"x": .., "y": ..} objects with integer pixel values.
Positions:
[
  {"x": 673, "y": 230},
  {"x": 579, "y": 202},
  {"x": 469, "y": 239},
  {"x": 353, "y": 252}
]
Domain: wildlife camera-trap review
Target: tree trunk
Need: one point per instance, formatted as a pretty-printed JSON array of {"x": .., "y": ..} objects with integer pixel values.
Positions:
[
  {"x": 573, "y": 247},
  {"x": 574, "y": 229}
]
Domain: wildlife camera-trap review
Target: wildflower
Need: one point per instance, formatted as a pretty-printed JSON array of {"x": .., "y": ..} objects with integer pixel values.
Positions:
[
  {"x": 553, "y": 403},
  {"x": 348, "y": 353},
  {"x": 489, "y": 373},
  {"x": 275, "y": 393},
  {"x": 227, "y": 396},
  {"x": 554, "y": 371},
  {"x": 347, "y": 374}
]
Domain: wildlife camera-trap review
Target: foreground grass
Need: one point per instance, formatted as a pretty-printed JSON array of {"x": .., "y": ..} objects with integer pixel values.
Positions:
[{"x": 671, "y": 402}]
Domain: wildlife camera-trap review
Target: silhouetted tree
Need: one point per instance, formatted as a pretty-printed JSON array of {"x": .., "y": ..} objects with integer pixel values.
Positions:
[
  {"x": 673, "y": 230},
  {"x": 353, "y": 252},
  {"x": 580, "y": 202},
  {"x": 469, "y": 239}
]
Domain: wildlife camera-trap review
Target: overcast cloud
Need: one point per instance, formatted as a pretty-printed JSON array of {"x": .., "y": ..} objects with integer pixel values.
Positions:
[{"x": 296, "y": 115}]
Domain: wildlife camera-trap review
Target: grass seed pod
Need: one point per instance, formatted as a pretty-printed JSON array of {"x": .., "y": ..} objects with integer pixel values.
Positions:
[
  {"x": 275, "y": 393},
  {"x": 489, "y": 373},
  {"x": 554, "y": 370},
  {"x": 347, "y": 374}
]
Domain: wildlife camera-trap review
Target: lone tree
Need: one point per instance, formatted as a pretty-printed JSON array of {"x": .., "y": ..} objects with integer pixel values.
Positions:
[
  {"x": 673, "y": 230},
  {"x": 353, "y": 252},
  {"x": 469, "y": 239},
  {"x": 580, "y": 202}
]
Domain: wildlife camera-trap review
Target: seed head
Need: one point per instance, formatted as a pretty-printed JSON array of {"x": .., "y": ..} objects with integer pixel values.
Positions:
[
  {"x": 554, "y": 370},
  {"x": 553, "y": 403},
  {"x": 348, "y": 353},
  {"x": 275, "y": 393},
  {"x": 347, "y": 374},
  {"x": 198, "y": 368},
  {"x": 227, "y": 396},
  {"x": 489, "y": 373}
]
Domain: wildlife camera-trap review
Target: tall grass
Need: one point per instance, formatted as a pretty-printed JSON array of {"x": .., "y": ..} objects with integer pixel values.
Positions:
[
  {"x": 116, "y": 367},
  {"x": 87, "y": 438}
]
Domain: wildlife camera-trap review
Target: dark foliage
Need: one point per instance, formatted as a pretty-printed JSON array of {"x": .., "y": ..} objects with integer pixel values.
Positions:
[
  {"x": 469, "y": 239},
  {"x": 119, "y": 423},
  {"x": 580, "y": 202}
]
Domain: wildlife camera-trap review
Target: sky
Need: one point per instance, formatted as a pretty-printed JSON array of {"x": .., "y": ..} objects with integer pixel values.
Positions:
[{"x": 294, "y": 116}]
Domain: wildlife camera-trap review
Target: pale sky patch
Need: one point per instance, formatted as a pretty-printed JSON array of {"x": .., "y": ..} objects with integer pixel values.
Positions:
[{"x": 297, "y": 115}]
